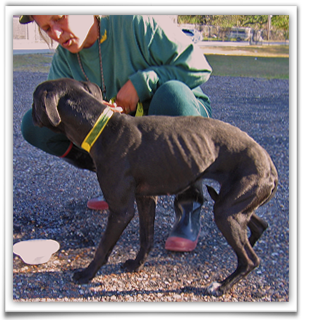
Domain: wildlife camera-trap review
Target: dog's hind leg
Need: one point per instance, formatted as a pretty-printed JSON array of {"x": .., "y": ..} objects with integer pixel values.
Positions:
[
  {"x": 233, "y": 212},
  {"x": 257, "y": 226},
  {"x": 146, "y": 210},
  {"x": 236, "y": 235}
]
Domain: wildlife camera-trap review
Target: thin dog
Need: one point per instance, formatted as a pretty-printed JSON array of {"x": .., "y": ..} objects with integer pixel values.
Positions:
[{"x": 139, "y": 158}]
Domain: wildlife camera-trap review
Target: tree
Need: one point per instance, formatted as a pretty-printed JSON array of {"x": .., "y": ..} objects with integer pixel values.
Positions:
[
  {"x": 257, "y": 22},
  {"x": 281, "y": 23}
]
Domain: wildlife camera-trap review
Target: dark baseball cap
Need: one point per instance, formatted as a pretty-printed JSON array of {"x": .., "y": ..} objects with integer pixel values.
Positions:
[{"x": 26, "y": 19}]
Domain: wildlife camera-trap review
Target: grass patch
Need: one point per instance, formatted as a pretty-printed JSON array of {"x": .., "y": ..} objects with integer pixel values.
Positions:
[
  {"x": 39, "y": 62},
  {"x": 222, "y": 65},
  {"x": 256, "y": 51},
  {"x": 246, "y": 66}
]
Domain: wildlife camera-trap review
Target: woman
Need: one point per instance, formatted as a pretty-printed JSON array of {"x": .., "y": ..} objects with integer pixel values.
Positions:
[{"x": 147, "y": 67}]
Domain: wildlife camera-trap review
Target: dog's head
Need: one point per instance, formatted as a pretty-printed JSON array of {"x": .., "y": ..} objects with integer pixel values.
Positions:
[{"x": 47, "y": 97}]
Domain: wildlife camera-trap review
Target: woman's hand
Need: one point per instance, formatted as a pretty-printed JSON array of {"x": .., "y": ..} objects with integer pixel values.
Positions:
[
  {"x": 113, "y": 106},
  {"x": 127, "y": 97}
]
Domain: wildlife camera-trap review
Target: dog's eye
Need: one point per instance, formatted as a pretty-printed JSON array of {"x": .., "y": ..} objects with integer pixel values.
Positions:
[
  {"x": 86, "y": 87},
  {"x": 93, "y": 89}
]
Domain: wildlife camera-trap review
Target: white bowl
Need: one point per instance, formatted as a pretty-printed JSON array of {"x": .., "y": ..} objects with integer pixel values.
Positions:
[{"x": 36, "y": 251}]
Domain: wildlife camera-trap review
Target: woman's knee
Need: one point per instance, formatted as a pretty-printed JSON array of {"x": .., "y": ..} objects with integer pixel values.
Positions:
[
  {"x": 27, "y": 127},
  {"x": 43, "y": 138},
  {"x": 174, "y": 98}
]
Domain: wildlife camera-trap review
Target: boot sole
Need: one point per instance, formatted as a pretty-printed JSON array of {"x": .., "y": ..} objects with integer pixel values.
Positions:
[
  {"x": 180, "y": 244},
  {"x": 97, "y": 204}
]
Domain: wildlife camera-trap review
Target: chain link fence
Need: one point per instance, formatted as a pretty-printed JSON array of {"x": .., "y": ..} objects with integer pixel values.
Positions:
[{"x": 250, "y": 35}]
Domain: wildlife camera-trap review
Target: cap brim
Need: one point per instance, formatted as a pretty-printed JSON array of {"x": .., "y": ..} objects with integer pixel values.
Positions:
[{"x": 26, "y": 19}]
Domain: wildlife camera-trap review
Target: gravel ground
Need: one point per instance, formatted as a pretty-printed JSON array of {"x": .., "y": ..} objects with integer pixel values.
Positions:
[{"x": 50, "y": 202}]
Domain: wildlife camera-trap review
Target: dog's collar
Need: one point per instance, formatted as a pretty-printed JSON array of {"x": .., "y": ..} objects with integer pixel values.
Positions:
[{"x": 93, "y": 134}]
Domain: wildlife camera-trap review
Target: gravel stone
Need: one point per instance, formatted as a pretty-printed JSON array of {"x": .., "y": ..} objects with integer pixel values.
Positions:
[{"x": 50, "y": 196}]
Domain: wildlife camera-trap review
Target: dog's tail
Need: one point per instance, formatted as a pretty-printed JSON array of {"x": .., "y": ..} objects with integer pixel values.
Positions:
[
  {"x": 273, "y": 181},
  {"x": 271, "y": 195},
  {"x": 214, "y": 195}
]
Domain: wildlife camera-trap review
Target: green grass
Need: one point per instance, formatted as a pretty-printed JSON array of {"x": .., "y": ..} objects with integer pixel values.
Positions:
[
  {"x": 256, "y": 51},
  {"x": 32, "y": 62},
  {"x": 222, "y": 65},
  {"x": 247, "y": 66}
]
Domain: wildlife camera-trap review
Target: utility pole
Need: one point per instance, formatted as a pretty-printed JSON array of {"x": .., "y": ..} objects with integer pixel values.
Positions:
[{"x": 269, "y": 25}]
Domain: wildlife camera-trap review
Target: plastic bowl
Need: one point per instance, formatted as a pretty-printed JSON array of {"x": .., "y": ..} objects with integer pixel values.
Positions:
[{"x": 36, "y": 251}]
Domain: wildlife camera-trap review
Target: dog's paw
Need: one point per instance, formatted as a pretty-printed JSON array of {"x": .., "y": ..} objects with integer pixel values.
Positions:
[
  {"x": 131, "y": 265},
  {"x": 81, "y": 277},
  {"x": 215, "y": 289}
]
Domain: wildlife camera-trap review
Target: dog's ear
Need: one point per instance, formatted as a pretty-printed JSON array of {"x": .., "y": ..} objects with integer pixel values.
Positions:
[{"x": 51, "y": 103}]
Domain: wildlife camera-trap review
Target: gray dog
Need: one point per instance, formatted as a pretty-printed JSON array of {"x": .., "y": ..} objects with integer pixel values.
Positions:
[{"x": 139, "y": 158}]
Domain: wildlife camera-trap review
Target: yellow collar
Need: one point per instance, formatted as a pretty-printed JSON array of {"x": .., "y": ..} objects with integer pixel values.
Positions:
[{"x": 93, "y": 134}]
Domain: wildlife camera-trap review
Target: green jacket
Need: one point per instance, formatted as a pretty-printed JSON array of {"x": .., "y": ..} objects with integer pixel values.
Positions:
[{"x": 138, "y": 48}]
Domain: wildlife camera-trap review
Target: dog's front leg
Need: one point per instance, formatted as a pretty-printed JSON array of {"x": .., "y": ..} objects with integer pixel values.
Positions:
[
  {"x": 117, "y": 222},
  {"x": 146, "y": 210}
]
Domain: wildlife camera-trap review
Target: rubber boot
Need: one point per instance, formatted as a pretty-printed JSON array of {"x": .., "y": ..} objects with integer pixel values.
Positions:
[{"x": 185, "y": 233}]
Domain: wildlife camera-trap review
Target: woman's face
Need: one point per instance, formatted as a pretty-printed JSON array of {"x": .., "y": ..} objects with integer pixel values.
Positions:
[{"x": 72, "y": 32}]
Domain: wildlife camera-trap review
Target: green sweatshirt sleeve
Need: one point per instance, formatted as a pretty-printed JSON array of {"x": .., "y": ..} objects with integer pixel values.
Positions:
[{"x": 170, "y": 55}]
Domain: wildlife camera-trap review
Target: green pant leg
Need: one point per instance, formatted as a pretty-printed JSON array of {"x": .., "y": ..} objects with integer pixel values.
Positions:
[
  {"x": 43, "y": 138},
  {"x": 174, "y": 98}
]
